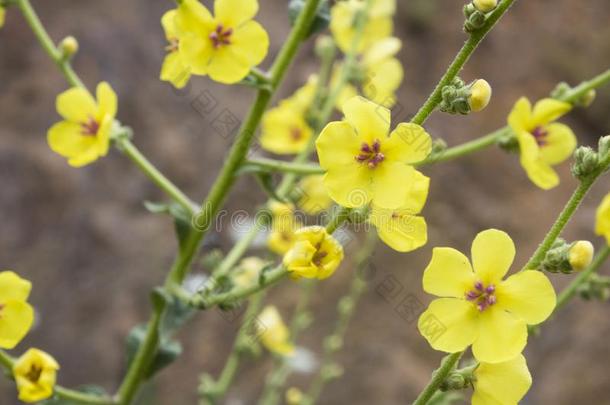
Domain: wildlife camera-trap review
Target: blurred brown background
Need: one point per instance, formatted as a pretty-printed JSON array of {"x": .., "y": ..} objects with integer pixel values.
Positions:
[{"x": 93, "y": 252}]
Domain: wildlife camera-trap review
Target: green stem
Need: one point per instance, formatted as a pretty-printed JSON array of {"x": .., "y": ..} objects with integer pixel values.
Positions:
[
  {"x": 570, "y": 291},
  {"x": 337, "y": 219},
  {"x": 286, "y": 167},
  {"x": 460, "y": 60},
  {"x": 438, "y": 376},
  {"x": 577, "y": 92}
]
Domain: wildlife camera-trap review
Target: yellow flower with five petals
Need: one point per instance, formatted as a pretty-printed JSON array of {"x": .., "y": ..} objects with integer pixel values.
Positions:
[
  {"x": 173, "y": 70},
  {"x": 477, "y": 307},
  {"x": 504, "y": 383},
  {"x": 273, "y": 333},
  {"x": 314, "y": 254},
  {"x": 35, "y": 374},
  {"x": 16, "y": 315},
  {"x": 363, "y": 163},
  {"x": 84, "y": 135},
  {"x": 543, "y": 142},
  {"x": 602, "y": 219},
  {"x": 224, "y": 46}
]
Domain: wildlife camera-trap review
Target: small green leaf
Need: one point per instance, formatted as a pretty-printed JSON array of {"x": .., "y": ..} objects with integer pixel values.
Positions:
[{"x": 321, "y": 20}]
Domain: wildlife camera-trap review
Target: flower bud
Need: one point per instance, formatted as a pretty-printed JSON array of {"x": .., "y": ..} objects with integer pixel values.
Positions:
[
  {"x": 604, "y": 147},
  {"x": 588, "y": 98},
  {"x": 586, "y": 162},
  {"x": 485, "y": 6},
  {"x": 325, "y": 47},
  {"x": 480, "y": 94},
  {"x": 580, "y": 255},
  {"x": 475, "y": 21},
  {"x": 294, "y": 396},
  {"x": 68, "y": 47}
]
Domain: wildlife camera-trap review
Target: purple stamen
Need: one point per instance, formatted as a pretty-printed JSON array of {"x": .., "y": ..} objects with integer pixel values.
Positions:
[
  {"x": 221, "y": 36},
  {"x": 540, "y": 134},
  {"x": 370, "y": 154},
  {"x": 482, "y": 296},
  {"x": 90, "y": 127}
]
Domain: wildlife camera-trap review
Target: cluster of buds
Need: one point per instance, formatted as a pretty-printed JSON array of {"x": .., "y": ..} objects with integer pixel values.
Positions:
[
  {"x": 461, "y": 98},
  {"x": 587, "y": 161},
  {"x": 476, "y": 13},
  {"x": 596, "y": 287},
  {"x": 568, "y": 258},
  {"x": 562, "y": 89}
]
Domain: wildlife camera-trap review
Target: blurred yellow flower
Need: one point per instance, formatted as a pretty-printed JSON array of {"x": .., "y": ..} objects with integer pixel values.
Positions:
[
  {"x": 504, "y": 383},
  {"x": 273, "y": 333},
  {"x": 248, "y": 271},
  {"x": 602, "y": 222},
  {"x": 2, "y": 16},
  {"x": 84, "y": 135},
  {"x": 542, "y": 142},
  {"x": 344, "y": 16},
  {"x": 173, "y": 70},
  {"x": 313, "y": 197},
  {"x": 363, "y": 163},
  {"x": 224, "y": 46},
  {"x": 16, "y": 315},
  {"x": 402, "y": 229},
  {"x": 35, "y": 374},
  {"x": 314, "y": 254},
  {"x": 480, "y": 308},
  {"x": 283, "y": 227}
]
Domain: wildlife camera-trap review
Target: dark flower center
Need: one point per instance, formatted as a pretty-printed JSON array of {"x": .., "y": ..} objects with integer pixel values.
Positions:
[
  {"x": 540, "y": 134},
  {"x": 370, "y": 154},
  {"x": 296, "y": 134},
  {"x": 34, "y": 373},
  {"x": 90, "y": 127},
  {"x": 221, "y": 36},
  {"x": 482, "y": 296},
  {"x": 172, "y": 46}
]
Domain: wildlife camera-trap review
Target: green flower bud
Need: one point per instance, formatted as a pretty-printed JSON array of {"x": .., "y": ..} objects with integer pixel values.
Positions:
[
  {"x": 485, "y": 6},
  {"x": 325, "y": 47},
  {"x": 580, "y": 255},
  {"x": 68, "y": 47},
  {"x": 331, "y": 371},
  {"x": 586, "y": 162},
  {"x": 333, "y": 343},
  {"x": 474, "y": 22},
  {"x": 588, "y": 98},
  {"x": 560, "y": 90},
  {"x": 604, "y": 147}
]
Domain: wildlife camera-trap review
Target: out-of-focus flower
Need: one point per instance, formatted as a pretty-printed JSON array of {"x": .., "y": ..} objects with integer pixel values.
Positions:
[
  {"x": 602, "y": 222},
  {"x": 224, "y": 46},
  {"x": 249, "y": 271},
  {"x": 314, "y": 254},
  {"x": 480, "y": 308},
  {"x": 313, "y": 195},
  {"x": 273, "y": 333},
  {"x": 543, "y": 142},
  {"x": 16, "y": 315},
  {"x": 84, "y": 135},
  {"x": 363, "y": 163},
  {"x": 2, "y": 16},
  {"x": 283, "y": 227},
  {"x": 173, "y": 70},
  {"x": 504, "y": 383},
  {"x": 35, "y": 374}
]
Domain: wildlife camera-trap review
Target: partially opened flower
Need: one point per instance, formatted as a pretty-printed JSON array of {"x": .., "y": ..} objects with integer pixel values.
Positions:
[
  {"x": 84, "y": 135},
  {"x": 402, "y": 229},
  {"x": 478, "y": 308},
  {"x": 314, "y": 254},
  {"x": 543, "y": 142},
  {"x": 378, "y": 24},
  {"x": 174, "y": 70},
  {"x": 16, "y": 315},
  {"x": 224, "y": 46},
  {"x": 602, "y": 222},
  {"x": 35, "y": 374},
  {"x": 283, "y": 227},
  {"x": 504, "y": 383},
  {"x": 363, "y": 163},
  {"x": 273, "y": 333},
  {"x": 313, "y": 196}
]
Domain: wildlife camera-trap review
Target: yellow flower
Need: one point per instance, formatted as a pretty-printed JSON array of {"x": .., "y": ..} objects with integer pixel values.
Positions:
[
  {"x": 502, "y": 383},
  {"x": 479, "y": 307},
  {"x": 173, "y": 70},
  {"x": 580, "y": 255},
  {"x": 542, "y": 142},
  {"x": 402, "y": 229},
  {"x": 378, "y": 25},
  {"x": 480, "y": 94},
  {"x": 285, "y": 130},
  {"x": 248, "y": 271},
  {"x": 602, "y": 223},
  {"x": 314, "y": 254},
  {"x": 313, "y": 195},
  {"x": 273, "y": 333},
  {"x": 16, "y": 315},
  {"x": 84, "y": 135},
  {"x": 2, "y": 16},
  {"x": 35, "y": 373},
  {"x": 283, "y": 228},
  {"x": 363, "y": 163},
  {"x": 225, "y": 46}
]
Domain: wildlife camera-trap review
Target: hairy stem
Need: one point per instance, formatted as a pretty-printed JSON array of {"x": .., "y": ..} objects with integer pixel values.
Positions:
[{"x": 438, "y": 376}]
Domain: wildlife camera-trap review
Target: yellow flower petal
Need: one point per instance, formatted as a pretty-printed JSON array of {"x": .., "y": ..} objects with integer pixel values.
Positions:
[
  {"x": 13, "y": 287},
  {"x": 382, "y": 81},
  {"x": 193, "y": 17},
  {"x": 350, "y": 187},
  {"x": 228, "y": 65},
  {"x": 449, "y": 324},
  {"x": 493, "y": 252},
  {"x": 528, "y": 295},
  {"x": 380, "y": 50},
  {"x": 419, "y": 185},
  {"x": 503, "y": 383},
  {"x": 107, "y": 100},
  {"x": 250, "y": 41},
  {"x": 449, "y": 274},
  {"x": 315, "y": 254},
  {"x": 520, "y": 118},
  {"x": 274, "y": 334},
  {"x": 548, "y": 110},
  {"x": 559, "y": 143},
  {"x": 502, "y": 336},
  {"x": 388, "y": 184},
  {"x": 399, "y": 229},
  {"x": 66, "y": 139},
  {"x": 540, "y": 173},
  {"x": 169, "y": 24},
  {"x": 175, "y": 71},
  {"x": 371, "y": 121},
  {"x": 2, "y": 16},
  {"x": 35, "y": 374},
  {"x": 196, "y": 53},
  {"x": 233, "y": 13},
  {"x": 338, "y": 145},
  {"x": 602, "y": 219},
  {"x": 102, "y": 137},
  {"x": 408, "y": 143},
  {"x": 284, "y": 131},
  {"x": 313, "y": 197},
  {"x": 76, "y": 105},
  {"x": 16, "y": 318}
]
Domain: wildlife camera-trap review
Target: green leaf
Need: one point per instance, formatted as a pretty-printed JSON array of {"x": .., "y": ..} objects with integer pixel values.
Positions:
[
  {"x": 167, "y": 353},
  {"x": 321, "y": 20}
]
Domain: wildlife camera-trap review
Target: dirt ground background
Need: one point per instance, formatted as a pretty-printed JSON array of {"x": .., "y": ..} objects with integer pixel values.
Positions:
[{"x": 93, "y": 252}]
